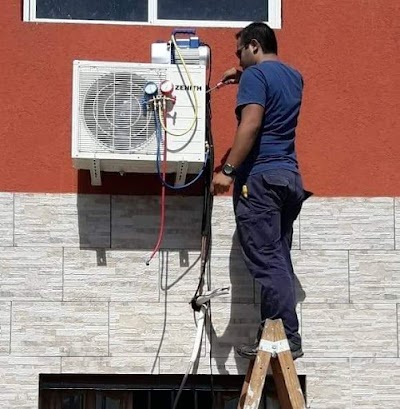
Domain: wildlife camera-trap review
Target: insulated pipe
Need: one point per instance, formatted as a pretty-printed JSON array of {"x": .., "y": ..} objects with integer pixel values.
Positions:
[
  {"x": 200, "y": 302},
  {"x": 195, "y": 351}
]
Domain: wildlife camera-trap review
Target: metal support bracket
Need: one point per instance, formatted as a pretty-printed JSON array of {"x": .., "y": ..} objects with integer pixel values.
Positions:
[
  {"x": 181, "y": 172},
  {"x": 95, "y": 176},
  {"x": 274, "y": 348}
]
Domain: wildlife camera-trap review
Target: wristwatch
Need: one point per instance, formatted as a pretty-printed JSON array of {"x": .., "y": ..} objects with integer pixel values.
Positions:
[{"x": 229, "y": 170}]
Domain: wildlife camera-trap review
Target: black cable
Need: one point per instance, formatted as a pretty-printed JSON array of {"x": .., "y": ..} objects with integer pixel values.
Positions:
[
  {"x": 206, "y": 230},
  {"x": 207, "y": 200},
  {"x": 211, "y": 341}
]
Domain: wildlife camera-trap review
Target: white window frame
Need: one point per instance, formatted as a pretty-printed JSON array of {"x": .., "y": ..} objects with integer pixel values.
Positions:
[{"x": 274, "y": 13}]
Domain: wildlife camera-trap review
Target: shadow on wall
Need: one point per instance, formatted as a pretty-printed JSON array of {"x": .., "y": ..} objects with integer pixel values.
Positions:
[
  {"x": 244, "y": 315},
  {"x": 237, "y": 323},
  {"x": 133, "y": 222}
]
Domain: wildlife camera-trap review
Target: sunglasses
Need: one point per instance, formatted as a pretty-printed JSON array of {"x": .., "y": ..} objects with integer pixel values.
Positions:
[{"x": 239, "y": 51}]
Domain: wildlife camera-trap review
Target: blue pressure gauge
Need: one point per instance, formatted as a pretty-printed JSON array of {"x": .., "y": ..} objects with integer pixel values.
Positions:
[{"x": 151, "y": 89}]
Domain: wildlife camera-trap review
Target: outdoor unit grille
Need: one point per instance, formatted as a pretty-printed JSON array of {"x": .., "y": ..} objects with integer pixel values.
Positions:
[{"x": 114, "y": 126}]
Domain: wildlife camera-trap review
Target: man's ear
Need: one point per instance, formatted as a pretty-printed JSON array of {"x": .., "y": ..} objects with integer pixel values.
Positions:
[{"x": 255, "y": 44}]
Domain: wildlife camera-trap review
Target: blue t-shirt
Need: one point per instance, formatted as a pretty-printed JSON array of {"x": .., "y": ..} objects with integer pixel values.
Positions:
[{"x": 278, "y": 88}]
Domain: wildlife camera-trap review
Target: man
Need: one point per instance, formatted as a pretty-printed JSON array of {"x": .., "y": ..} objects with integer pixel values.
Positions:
[{"x": 262, "y": 165}]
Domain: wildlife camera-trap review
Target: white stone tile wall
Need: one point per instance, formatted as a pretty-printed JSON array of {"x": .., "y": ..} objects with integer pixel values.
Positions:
[
  {"x": 59, "y": 328},
  {"x": 347, "y": 224},
  {"x": 7, "y": 219},
  {"x": 62, "y": 220},
  {"x": 109, "y": 275},
  {"x": 31, "y": 273},
  {"x": 322, "y": 275},
  {"x": 375, "y": 383},
  {"x": 20, "y": 380},
  {"x": 350, "y": 330},
  {"x": 374, "y": 276},
  {"x": 77, "y": 297},
  {"x": 151, "y": 329},
  {"x": 329, "y": 382},
  {"x": 5, "y": 327},
  {"x": 108, "y": 365}
]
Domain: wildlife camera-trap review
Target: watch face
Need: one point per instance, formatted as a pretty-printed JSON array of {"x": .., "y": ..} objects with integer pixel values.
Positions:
[{"x": 228, "y": 170}]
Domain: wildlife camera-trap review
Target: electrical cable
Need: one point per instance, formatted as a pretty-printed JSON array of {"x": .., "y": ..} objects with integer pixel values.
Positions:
[
  {"x": 208, "y": 199},
  {"x": 205, "y": 250},
  {"x": 207, "y": 228},
  {"x": 205, "y": 246},
  {"x": 207, "y": 169}
]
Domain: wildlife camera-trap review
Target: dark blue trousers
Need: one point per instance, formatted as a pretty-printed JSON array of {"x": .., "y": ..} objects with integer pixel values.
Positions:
[{"x": 264, "y": 222}]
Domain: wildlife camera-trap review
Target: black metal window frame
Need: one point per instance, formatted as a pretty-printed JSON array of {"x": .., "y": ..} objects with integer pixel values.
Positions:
[{"x": 92, "y": 391}]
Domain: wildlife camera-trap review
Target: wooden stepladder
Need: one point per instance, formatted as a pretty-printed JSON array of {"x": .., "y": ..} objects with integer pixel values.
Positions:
[{"x": 273, "y": 349}]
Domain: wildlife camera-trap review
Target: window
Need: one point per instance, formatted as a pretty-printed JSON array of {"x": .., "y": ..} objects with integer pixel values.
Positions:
[
  {"x": 145, "y": 392},
  {"x": 177, "y": 13}
]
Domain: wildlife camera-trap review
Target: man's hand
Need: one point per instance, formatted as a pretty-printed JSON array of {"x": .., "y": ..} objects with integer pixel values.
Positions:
[
  {"x": 231, "y": 76},
  {"x": 220, "y": 183}
]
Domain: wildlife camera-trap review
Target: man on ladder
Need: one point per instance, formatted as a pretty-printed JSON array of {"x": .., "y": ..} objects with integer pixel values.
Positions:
[{"x": 262, "y": 164}]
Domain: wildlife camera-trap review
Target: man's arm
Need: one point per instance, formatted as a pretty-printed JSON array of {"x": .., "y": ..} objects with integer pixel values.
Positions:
[
  {"x": 231, "y": 76},
  {"x": 246, "y": 134}
]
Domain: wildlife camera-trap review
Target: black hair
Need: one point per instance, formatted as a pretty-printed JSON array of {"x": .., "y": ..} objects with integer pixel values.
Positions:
[{"x": 262, "y": 33}]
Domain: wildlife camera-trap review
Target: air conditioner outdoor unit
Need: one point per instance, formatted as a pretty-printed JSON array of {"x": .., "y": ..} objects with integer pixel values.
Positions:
[{"x": 115, "y": 129}]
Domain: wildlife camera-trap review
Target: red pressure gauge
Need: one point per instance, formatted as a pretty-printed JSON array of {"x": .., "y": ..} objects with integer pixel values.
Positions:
[{"x": 167, "y": 87}]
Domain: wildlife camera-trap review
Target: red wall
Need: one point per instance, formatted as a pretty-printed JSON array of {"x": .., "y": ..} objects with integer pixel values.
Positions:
[{"x": 347, "y": 50}]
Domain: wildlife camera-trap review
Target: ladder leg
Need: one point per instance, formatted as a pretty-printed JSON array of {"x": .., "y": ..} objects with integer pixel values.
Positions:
[
  {"x": 274, "y": 349},
  {"x": 255, "y": 385},
  {"x": 285, "y": 375},
  {"x": 245, "y": 386}
]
